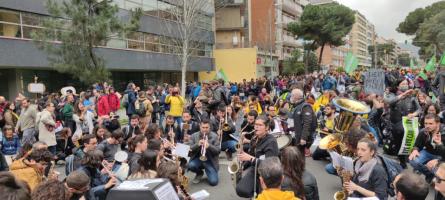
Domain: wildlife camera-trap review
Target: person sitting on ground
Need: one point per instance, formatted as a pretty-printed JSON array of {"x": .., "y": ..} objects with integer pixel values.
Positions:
[
  {"x": 78, "y": 184},
  {"x": 49, "y": 190},
  {"x": 271, "y": 177},
  {"x": 9, "y": 143},
  {"x": 410, "y": 186},
  {"x": 111, "y": 145},
  {"x": 31, "y": 167},
  {"x": 13, "y": 188},
  {"x": 147, "y": 166},
  {"x": 137, "y": 147},
  {"x": 99, "y": 182},
  {"x": 296, "y": 178},
  {"x": 73, "y": 162}
]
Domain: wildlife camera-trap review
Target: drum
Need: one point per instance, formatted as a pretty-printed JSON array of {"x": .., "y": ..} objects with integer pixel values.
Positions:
[{"x": 283, "y": 140}]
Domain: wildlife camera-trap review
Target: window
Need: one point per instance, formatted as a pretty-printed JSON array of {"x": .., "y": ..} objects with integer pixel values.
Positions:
[
  {"x": 27, "y": 31},
  {"x": 10, "y": 24},
  {"x": 32, "y": 19},
  {"x": 117, "y": 43},
  {"x": 150, "y": 7},
  {"x": 9, "y": 16}
]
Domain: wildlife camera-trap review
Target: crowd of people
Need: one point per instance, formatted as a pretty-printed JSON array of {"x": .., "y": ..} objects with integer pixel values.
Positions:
[{"x": 265, "y": 127}]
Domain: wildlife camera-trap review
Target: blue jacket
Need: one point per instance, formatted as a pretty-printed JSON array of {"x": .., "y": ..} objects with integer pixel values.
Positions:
[
  {"x": 10, "y": 147},
  {"x": 131, "y": 99},
  {"x": 196, "y": 91}
]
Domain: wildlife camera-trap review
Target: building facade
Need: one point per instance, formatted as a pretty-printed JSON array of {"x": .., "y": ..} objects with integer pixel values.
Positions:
[
  {"x": 261, "y": 25},
  {"x": 362, "y": 36},
  {"x": 147, "y": 56}
]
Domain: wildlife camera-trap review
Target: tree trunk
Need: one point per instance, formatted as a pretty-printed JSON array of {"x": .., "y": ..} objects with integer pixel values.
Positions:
[
  {"x": 184, "y": 60},
  {"x": 321, "y": 56}
]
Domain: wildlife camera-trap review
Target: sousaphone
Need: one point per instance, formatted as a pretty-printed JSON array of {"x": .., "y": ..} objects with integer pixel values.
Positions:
[{"x": 349, "y": 109}]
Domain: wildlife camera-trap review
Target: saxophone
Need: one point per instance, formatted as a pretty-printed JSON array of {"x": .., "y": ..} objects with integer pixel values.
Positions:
[{"x": 346, "y": 176}]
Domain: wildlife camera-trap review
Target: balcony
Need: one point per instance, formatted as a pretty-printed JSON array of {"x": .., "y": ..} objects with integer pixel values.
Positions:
[
  {"x": 292, "y": 7},
  {"x": 290, "y": 41}
]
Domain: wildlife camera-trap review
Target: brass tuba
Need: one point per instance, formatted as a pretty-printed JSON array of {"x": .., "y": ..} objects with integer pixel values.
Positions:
[{"x": 349, "y": 109}]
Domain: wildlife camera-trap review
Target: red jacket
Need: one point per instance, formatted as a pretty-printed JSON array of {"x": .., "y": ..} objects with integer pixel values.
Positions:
[
  {"x": 103, "y": 108},
  {"x": 114, "y": 102}
]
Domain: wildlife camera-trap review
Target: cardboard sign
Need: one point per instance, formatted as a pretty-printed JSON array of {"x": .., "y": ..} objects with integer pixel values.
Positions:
[
  {"x": 374, "y": 81},
  {"x": 36, "y": 88}
]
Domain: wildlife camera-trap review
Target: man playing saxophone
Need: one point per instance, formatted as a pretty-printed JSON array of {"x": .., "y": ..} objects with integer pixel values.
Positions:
[{"x": 204, "y": 146}]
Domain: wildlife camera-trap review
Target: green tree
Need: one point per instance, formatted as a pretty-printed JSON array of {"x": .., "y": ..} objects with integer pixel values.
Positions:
[
  {"x": 311, "y": 61},
  {"x": 81, "y": 26},
  {"x": 404, "y": 59},
  {"x": 292, "y": 65},
  {"x": 427, "y": 25},
  {"x": 324, "y": 25}
]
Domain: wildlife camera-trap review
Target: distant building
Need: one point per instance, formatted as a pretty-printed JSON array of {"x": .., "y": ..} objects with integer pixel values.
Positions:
[
  {"x": 259, "y": 24},
  {"x": 357, "y": 41}
]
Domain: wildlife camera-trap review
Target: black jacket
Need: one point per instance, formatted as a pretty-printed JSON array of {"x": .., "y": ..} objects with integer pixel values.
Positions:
[
  {"x": 215, "y": 125},
  {"x": 266, "y": 146},
  {"x": 303, "y": 117},
  {"x": 310, "y": 186},
  {"x": 3, "y": 164},
  {"x": 377, "y": 183},
  {"x": 424, "y": 141}
]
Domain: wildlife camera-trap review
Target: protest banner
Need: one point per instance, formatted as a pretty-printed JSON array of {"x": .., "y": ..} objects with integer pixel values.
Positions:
[
  {"x": 374, "y": 81},
  {"x": 409, "y": 138}
]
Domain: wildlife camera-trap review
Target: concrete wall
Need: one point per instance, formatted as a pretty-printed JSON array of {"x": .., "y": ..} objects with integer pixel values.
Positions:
[{"x": 238, "y": 64}]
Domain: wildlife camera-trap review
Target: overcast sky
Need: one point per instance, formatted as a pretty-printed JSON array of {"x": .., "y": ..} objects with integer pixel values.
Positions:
[{"x": 387, "y": 14}]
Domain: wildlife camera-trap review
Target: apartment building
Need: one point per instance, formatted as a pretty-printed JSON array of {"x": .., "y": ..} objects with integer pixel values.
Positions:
[{"x": 261, "y": 25}]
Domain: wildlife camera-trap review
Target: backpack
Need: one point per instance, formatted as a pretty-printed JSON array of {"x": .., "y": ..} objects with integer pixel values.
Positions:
[
  {"x": 140, "y": 108},
  {"x": 124, "y": 101},
  {"x": 392, "y": 169}
]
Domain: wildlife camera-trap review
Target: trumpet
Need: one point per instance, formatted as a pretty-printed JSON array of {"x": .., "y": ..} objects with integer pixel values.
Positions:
[{"x": 203, "y": 157}]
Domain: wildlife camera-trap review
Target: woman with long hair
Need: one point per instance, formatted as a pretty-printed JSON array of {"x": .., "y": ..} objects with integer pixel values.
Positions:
[
  {"x": 137, "y": 146},
  {"x": 10, "y": 116},
  {"x": 147, "y": 166},
  {"x": 101, "y": 133},
  {"x": 296, "y": 178}
]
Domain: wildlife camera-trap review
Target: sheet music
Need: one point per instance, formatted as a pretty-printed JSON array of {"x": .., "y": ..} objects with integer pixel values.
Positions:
[
  {"x": 137, "y": 184},
  {"x": 336, "y": 159},
  {"x": 166, "y": 191},
  {"x": 181, "y": 150},
  {"x": 348, "y": 164}
]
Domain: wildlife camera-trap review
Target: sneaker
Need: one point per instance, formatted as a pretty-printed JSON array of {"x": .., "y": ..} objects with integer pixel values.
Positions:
[
  {"x": 229, "y": 156},
  {"x": 197, "y": 178}
]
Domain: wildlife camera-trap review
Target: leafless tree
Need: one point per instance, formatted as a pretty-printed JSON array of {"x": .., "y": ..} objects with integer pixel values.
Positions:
[{"x": 190, "y": 34}]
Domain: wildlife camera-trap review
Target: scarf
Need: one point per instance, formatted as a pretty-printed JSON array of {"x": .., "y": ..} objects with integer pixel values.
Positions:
[{"x": 363, "y": 170}]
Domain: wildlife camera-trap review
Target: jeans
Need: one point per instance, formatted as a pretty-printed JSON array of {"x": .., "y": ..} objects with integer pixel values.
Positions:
[
  {"x": 178, "y": 120},
  {"x": 229, "y": 146},
  {"x": 28, "y": 136},
  {"x": 195, "y": 165},
  {"x": 161, "y": 118},
  {"x": 331, "y": 169},
  {"x": 419, "y": 163},
  {"x": 52, "y": 149}
]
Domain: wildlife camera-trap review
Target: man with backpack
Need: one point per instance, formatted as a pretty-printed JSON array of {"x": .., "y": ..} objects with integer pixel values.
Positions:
[{"x": 129, "y": 98}]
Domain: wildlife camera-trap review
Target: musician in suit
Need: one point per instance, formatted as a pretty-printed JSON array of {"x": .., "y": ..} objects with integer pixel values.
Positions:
[
  {"x": 228, "y": 143},
  {"x": 208, "y": 140},
  {"x": 262, "y": 145},
  {"x": 247, "y": 127},
  {"x": 187, "y": 128}
]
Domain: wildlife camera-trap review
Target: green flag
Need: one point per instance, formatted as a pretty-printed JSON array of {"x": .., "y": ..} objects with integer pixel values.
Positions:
[
  {"x": 351, "y": 63},
  {"x": 221, "y": 75},
  {"x": 431, "y": 66},
  {"x": 411, "y": 64},
  {"x": 423, "y": 75},
  {"x": 442, "y": 60}
]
